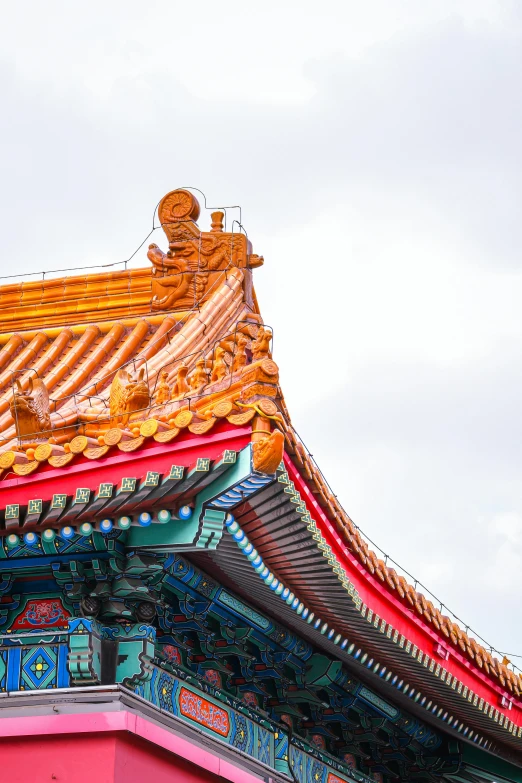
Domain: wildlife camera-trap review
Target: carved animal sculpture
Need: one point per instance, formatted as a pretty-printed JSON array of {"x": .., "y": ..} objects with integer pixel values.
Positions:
[
  {"x": 30, "y": 409},
  {"x": 169, "y": 272},
  {"x": 268, "y": 453},
  {"x": 220, "y": 367},
  {"x": 240, "y": 356},
  {"x": 217, "y": 253},
  {"x": 190, "y": 260},
  {"x": 163, "y": 390},
  {"x": 261, "y": 345},
  {"x": 199, "y": 377},
  {"x": 129, "y": 394},
  {"x": 181, "y": 386}
]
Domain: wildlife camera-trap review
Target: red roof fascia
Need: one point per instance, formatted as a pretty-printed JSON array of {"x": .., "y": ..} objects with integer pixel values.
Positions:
[
  {"x": 382, "y": 602},
  {"x": 111, "y": 469}
]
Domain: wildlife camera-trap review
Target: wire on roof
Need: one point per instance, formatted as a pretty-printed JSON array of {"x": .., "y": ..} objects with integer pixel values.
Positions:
[{"x": 138, "y": 248}]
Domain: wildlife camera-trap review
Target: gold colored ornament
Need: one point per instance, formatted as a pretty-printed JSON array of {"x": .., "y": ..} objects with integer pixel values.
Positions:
[
  {"x": 201, "y": 427},
  {"x": 113, "y": 436},
  {"x": 131, "y": 445},
  {"x": 43, "y": 452},
  {"x": 60, "y": 460},
  {"x": 166, "y": 436},
  {"x": 7, "y": 459},
  {"x": 26, "y": 468},
  {"x": 269, "y": 367},
  {"x": 96, "y": 452},
  {"x": 183, "y": 419},
  {"x": 268, "y": 453},
  {"x": 79, "y": 444},
  {"x": 222, "y": 409},
  {"x": 149, "y": 428},
  {"x": 239, "y": 419},
  {"x": 268, "y": 407},
  {"x": 178, "y": 205}
]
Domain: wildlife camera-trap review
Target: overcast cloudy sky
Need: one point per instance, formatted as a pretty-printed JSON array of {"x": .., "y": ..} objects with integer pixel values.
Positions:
[{"x": 376, "y": 151}]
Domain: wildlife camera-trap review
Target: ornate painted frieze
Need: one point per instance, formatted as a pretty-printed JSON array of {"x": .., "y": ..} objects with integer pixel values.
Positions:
[{"x": 240, "y": 728}]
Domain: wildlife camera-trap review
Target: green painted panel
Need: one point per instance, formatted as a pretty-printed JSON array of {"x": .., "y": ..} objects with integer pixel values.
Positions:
[
  {"x": 489, "y": 767},
  {"x": 202, "y": 528}
]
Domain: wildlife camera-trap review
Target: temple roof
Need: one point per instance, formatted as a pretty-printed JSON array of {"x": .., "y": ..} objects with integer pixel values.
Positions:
[
  {"x": 101, "y": 364},
  {"x": 73, "y": 370}
]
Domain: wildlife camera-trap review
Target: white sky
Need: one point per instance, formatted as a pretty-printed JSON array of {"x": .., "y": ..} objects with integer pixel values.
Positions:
[{"x": 376, "y": 151}]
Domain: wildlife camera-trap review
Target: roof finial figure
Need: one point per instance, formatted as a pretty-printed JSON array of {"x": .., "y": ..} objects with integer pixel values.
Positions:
[
  {"x": 240, "y": 355},
  {"x": 163, "y": 390},
  {"x": 261, "y": 345},
  {"x": 30, "y": 409},
  {"x": 196, "y": 260},
  {"x": 129, "y": 394},
  {"x": 220, "y": 367},
  {"x": 176, "y": 207},
  {"x": 199, "y": 377},
  {"x": 181, "y": 386}
]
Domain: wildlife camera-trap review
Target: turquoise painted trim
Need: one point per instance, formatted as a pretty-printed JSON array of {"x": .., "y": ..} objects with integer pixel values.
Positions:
[{"x": 202, "y": 529}]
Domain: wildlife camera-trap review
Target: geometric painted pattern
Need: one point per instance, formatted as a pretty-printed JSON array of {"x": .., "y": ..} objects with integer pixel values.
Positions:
[
  {"x": 281, "y": 750},
  {"x": 263, "y": 746},
  {"x": 242, "y": 733},
  {"x": 306, "y": 769},
  {"x": 59, "y": 660},
  {"x": 204, "y": 610},
  {"x": 39, "y": 668},
  {"x": 36, "y": 667},
  {"x": 198, "y": 607},
  {"x": 211, "y": 603}
]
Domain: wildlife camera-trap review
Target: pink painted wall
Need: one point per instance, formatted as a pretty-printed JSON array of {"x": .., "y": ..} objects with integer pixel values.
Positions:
[
  {"x": 107, "y": 747},
  {"x": 107, "y": 758},
  {"x": 85, "y": 759},
  {"x": 137, "y": 761}
]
